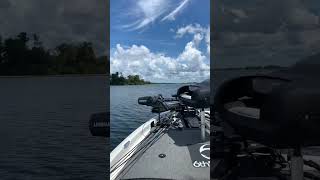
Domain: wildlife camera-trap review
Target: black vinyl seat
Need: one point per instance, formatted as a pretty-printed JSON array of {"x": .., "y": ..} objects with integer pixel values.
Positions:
[
  {"x": 239, "y": 108},
  {"x": 197, "y": 95},
  {"x": 271, "y": 110}
]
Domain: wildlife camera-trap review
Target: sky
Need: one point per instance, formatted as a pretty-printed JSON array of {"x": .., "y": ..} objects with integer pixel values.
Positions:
[
  {"x": 161, "y": 40},
  {"x": 264, "y": 32},
  {"x": 57, "y": 21},
  {"x": 167, "y": 40}
]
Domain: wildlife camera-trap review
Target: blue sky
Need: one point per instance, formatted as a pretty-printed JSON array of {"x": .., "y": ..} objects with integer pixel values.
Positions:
[{"x": 161, "y": 40}]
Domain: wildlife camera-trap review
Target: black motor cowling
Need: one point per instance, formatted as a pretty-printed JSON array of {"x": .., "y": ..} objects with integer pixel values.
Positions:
[
  {"x": 197, "y": 96},
  {"x": 99, "y": 124},
  {"x": 274, "y": 110}
]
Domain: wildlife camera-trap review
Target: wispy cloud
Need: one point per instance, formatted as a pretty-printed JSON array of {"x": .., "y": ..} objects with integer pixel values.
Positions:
[
  {"x": 149, "y": 11},
  {"x": 171, "y": 16}
]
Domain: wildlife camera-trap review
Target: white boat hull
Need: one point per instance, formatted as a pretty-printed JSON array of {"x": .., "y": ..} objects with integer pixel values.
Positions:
[{"x": 126, "y": 147}]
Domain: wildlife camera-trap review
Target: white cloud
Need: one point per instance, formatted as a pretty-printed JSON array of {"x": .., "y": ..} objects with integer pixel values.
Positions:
[
  {"x": 190, "y": 65},
  {"x": 208, "y": 40},
  {"x": 192, "y": 59},
  {"x": 197, "y": 38},
  {"x": 171, "y": 16},
  {"x": 189, "y": 29},
  {"x": 148, "y": 11},
  {"x": 198, "y": 31}
]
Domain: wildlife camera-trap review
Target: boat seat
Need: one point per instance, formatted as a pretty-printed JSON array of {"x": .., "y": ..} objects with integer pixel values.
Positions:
[
  {"x": 284, "y": 115},
  {"x": 240, "y": 108}
]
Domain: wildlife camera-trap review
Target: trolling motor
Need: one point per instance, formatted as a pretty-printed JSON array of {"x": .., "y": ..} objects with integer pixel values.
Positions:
[
  {"x": 159, "y": 104},
  {"x": 196, "y": 96}
]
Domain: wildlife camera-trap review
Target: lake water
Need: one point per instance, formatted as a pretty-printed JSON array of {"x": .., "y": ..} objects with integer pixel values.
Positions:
[
  {"x": 44, "y": 128},
  {"x": 126, "y": 114}
]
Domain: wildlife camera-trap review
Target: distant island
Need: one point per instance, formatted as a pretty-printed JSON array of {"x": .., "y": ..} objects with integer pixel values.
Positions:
[
  {"x": 25, "y": 55},
  {"x": 118, "y": 79}
]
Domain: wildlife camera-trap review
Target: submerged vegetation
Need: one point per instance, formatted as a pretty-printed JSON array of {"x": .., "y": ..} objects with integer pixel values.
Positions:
[
  {"x": 118, "y": 79},
  {"x": 25, "y": 55}
]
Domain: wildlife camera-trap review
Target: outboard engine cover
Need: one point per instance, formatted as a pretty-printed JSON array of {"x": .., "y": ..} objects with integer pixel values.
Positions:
[
  {"x": 197, "y": 96},
  {"x": 99, "y": 124},
  {"x": 276, "y": 110}
]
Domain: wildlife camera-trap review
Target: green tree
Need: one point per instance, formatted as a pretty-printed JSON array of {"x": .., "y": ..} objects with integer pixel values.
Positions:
[
  {"x": 118, "y": 79},
  {"x": 15, "y": 54},
  {"x": 19, "y": 57}
]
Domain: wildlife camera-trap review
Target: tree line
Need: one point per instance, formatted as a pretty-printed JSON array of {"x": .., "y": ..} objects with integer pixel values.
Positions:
[
  {"x": 26, "y": 55},
  {"x": 118, "y": 79}
]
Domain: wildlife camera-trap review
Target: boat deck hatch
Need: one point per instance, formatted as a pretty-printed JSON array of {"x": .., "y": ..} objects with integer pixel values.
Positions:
[{"x": 175, "y": 155}]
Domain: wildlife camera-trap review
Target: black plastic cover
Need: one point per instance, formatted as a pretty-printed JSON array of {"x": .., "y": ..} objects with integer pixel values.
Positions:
[
  {"x": 199, "y": 95},
  {"x": 99, "y": 124},
  {"x": 288, "y": 104}
]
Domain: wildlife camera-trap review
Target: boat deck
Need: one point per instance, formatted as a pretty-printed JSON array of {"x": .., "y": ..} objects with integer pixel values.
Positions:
[{"x": 174, "y": 154}]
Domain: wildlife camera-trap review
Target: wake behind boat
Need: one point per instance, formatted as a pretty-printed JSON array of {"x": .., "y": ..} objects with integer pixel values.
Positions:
[{"x": 174, "y": 144}]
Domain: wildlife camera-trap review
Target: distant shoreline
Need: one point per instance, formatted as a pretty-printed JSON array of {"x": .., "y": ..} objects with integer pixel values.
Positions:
[
  {"x": 249, "y": 68},
  {"x": 149, "y": 84}
]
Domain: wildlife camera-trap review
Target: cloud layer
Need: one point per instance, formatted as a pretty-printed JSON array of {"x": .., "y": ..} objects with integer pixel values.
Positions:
[
  {"x": 190, "y": 65},
  {"x": 147, "y": 12},
  {"x": 265, "y": 32},
  {"x": 57, "y": 21}
]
